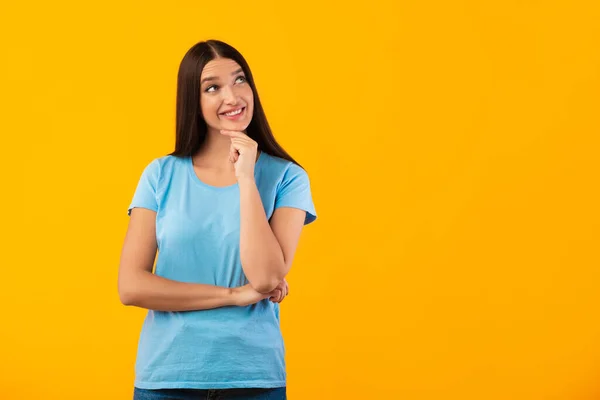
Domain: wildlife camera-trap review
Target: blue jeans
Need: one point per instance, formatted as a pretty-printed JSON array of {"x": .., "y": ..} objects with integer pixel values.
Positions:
[{"x": 210, "y": 394}]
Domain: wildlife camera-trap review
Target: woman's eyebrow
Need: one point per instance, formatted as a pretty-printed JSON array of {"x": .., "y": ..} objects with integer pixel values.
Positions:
[{"x": 212, "y": 78}]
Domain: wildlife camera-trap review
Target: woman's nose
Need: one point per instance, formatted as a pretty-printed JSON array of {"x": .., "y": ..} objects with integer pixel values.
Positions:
[{"x": 229, "y": 95}]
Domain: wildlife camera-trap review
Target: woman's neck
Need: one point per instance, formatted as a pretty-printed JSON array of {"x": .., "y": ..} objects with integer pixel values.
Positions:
[{"x": 214, "y": 152}]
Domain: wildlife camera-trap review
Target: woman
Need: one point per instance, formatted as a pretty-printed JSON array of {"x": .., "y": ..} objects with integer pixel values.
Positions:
[{"x": 225, "y": 210}]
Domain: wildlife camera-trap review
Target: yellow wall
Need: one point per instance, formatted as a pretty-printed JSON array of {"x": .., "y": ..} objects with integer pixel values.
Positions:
[{"x": 453, "y": 150}]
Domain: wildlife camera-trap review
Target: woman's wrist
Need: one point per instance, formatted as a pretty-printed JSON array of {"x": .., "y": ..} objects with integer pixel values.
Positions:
[
  {"x": 233, "y": 296},
  {"x": 244, "y": 181}
]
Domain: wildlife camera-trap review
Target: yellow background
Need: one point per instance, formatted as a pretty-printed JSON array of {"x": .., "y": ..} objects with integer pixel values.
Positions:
[{"x": 453, "y": 152}]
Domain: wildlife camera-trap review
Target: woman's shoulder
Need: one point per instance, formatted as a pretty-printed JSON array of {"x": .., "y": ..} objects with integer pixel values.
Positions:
[
  {"x": 281, "y": 170},
  {"x": 279, "y": 164},
  {"x": 169, "y": 160},
  {"x": 162, "y": 166}
]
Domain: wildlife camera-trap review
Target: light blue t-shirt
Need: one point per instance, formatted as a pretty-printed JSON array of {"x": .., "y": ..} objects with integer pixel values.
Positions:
[{"x": 198, "y": 234}]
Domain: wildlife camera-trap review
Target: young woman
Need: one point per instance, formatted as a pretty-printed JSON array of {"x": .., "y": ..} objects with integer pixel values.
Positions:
[{"x": 225, "y": 211}]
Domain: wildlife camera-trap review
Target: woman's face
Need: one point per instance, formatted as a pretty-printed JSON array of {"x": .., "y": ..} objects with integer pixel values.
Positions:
[{"x": 224, "y": 89}]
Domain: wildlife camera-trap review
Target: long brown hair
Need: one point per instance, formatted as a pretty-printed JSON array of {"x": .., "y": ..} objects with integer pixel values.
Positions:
[{"x": 190, "y": 126}]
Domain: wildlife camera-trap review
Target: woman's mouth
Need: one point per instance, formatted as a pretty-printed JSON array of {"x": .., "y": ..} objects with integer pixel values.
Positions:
[{"x": 235, "y": 114}]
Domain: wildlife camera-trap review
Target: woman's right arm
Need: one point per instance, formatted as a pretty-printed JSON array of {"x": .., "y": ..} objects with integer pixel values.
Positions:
[{"x": 138, "y": 286}]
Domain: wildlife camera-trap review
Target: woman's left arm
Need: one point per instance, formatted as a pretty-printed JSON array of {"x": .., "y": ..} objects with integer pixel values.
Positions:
[{"x": 266, "y": 249}]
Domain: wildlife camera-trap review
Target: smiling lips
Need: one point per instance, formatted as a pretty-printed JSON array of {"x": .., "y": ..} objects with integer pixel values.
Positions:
[{"x": 234, "y": 114}]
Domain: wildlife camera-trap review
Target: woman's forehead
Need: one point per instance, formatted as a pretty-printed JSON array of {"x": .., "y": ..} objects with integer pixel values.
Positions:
[{"x": 220, "y": 66}]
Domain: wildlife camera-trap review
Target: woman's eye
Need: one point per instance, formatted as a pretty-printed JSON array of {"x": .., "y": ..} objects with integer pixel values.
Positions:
[{"x": 208, "y": 89}]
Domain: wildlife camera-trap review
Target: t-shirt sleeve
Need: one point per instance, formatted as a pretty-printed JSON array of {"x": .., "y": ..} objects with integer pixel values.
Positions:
[
  {"x": 294, "y": 191},
  {"x": 145, "y": 193}
]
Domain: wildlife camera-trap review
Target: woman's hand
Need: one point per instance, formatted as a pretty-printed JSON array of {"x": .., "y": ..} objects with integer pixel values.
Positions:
[
  {"x": 280, "y": 292},
  {"x": 242, "y": 153},
  {"x": 246, "y": 295}
]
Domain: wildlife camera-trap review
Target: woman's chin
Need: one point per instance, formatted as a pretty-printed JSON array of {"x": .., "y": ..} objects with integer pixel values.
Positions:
[{"x": 232, "y": 126}]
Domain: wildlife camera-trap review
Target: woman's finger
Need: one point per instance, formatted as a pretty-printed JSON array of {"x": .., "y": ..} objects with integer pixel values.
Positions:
[
  {"x": 242, "y": 143},
  {"x": 237, "y": 134},
  {"x": 275, "y": 295}
]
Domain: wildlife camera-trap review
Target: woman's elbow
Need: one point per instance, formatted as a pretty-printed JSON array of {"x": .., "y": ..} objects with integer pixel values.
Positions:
[
  {"x": 127, "y": 293},
  {"x": 127, "y": 299},
  {"x": 266, "y": 284}
]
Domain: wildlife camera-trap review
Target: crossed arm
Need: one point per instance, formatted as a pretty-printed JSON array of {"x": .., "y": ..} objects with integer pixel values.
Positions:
[{"x": 266, "y": 249}]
